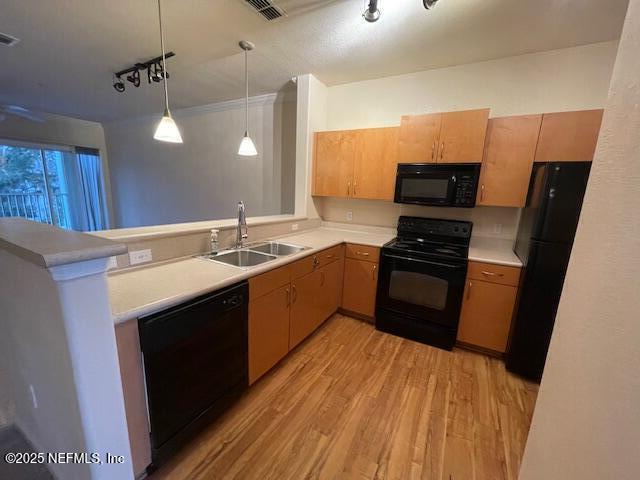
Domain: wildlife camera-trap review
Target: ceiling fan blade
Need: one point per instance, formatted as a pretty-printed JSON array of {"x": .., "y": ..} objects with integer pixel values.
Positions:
[{"x": 21, "y": 112}]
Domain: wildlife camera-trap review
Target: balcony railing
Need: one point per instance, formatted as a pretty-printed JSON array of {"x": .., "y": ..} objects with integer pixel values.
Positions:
[{"x": 37, "y": 207}]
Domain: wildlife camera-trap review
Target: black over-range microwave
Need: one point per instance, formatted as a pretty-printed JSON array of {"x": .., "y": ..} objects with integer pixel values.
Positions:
[{"x": 442, "y": 185}]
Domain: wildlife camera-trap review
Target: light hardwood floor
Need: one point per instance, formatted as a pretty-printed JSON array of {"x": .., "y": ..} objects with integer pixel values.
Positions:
[{"x": 352, "y": 402}]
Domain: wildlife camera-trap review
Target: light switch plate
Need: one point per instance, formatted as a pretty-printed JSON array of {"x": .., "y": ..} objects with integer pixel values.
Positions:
[
  {"x": 140, "y": 256},
  {"x": 497, "y": 228},
  {"x": 294, "y": 227},
  {"x": 349, "y": 216},
  {"x": 112, "y": 263}
]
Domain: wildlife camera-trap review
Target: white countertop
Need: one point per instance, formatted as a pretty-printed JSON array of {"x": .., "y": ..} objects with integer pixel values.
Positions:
[
  {"x": 141, "y": 291},
  {"x": 493, "y": 250}
]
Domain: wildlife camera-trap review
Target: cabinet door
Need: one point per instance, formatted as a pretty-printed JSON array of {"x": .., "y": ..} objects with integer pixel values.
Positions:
[
  {"x": 486, "y": 314},
  {"x": 330, "y": 289},
  {"x": 508, "y": 159},
  {"x": 268, "y": 331},
  {"x": 568, "y": 136},
  {"x": 462, "y": 136},
  {"x": 360, "y": 283},
  {"x": 418, "y": 138},
  {"x": 333, "y": 166},
  {"x": 306, "y": 309},
  {"x": 375, "y": 163}
]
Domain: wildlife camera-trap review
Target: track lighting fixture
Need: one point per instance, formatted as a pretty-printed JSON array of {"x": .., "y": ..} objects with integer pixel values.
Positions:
[
  {"x": 429, "y": 4},
  {"x": 155, "y": 72},
  {"x": 372, "y": 14}
]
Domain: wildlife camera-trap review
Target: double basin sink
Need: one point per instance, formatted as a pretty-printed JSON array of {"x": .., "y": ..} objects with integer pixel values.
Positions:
[{"x": 253, "y": 255}]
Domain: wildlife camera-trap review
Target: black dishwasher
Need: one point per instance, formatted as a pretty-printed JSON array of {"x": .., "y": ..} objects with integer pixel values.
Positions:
[{"x": 195, "y": 363}]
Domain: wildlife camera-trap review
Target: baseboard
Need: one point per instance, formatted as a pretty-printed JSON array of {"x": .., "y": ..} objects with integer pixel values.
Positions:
[
  {"x": 357, "y": 315},
  {"x": 482, "y": 350}
]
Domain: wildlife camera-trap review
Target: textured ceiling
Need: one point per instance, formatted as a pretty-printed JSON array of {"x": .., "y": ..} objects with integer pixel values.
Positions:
[{"x": 69, "y": 48}]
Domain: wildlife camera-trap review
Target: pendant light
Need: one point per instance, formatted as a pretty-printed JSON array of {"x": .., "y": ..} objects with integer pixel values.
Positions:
[
  {"x": 167, "y": 130},
  {"x": 247, "y": 147}
]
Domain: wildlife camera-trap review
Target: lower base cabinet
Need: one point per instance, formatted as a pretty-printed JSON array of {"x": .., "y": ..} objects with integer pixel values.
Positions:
[
  {"x": 486, "y": 314},
  {"x": 360, "y": 284},
  {"x": 287, "y": 304},
  {"x": 268, "y": 331}
]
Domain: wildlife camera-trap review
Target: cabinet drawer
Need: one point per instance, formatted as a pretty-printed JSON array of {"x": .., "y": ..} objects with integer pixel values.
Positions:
[
  {"x": 312, "y": 262},
  {"x": 494, "y": 273},
  {"x": 363, "y": 252},
  {"x": 267, "y": 282}
]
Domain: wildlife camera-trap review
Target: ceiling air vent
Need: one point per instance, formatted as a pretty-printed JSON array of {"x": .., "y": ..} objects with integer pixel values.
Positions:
[
  {"x": 267, "y": 9},
  {"x": 7, "y": 40}
]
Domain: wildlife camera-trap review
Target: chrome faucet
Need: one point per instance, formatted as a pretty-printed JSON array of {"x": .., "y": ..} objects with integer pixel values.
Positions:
[{"x": 241, "y": 230}]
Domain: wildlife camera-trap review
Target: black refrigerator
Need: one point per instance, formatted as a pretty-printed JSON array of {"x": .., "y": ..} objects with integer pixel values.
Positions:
[{"x": 545, "y": 236}]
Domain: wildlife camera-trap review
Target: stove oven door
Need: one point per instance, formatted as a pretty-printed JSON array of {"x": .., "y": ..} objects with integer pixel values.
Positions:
[{"x": 426, "y": 290}]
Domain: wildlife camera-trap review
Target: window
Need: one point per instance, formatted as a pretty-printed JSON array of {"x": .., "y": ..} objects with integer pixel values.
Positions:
[{"x": 57, "y": 185}]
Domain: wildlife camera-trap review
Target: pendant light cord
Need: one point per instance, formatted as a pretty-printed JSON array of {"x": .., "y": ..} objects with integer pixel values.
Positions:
[
  {"x": 246, "y": 97},
  {"x": 164, "y": 61}
]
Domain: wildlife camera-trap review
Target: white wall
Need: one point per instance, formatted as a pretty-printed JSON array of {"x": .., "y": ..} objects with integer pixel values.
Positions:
[
  {"x": 60, "y": 130},
  {"x": 567, "y": 79},
  {"x": 203, "y": 178},
  {"x": 586, "y": 424}
]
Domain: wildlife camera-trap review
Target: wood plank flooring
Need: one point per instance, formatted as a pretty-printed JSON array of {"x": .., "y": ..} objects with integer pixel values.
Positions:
[{"x": 355, "y": 403}]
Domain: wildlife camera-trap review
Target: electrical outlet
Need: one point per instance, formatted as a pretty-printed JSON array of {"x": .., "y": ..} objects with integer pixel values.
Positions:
[
  {"x": 34, "y": 399},
  {"x": 497, "y": 228},
  {"x": 112, "y": 263},
  {"x": 349, "y": 216},
  {"x": 140, "y": 256},
  {"x": 294, "y": 227}
]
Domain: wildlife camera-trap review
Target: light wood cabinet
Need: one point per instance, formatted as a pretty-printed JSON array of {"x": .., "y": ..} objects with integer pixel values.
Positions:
[
  {"x": 450, "y": 137},
  {"x": 487, "y": 306},
  {"x": 356, "y": 163},
  {"x": 419, "y": 138},
  {"x": 360, "y": 280},
  {"x": 509, "y": 152},
  {"x": 306, "y": 310},
  {"x": 268, "y": 331},
  {"x": 333, "y": 165},
  {"x": 568, "y": 136},
  {"x": 374, "y": 168},
  {"x": 462, "y": 136}
]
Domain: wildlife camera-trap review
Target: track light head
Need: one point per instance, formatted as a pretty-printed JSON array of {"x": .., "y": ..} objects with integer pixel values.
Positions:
[
  {"x": 134, "y": 78},
  {"x": 372, "y": 14},
  {"x": 429, "y": 4},
  {"x": 158, "y": 73},
  {"x": 118, "y": 84}
]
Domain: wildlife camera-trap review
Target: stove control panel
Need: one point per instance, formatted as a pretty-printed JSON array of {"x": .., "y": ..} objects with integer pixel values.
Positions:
[{"x": 426, "y": 227}]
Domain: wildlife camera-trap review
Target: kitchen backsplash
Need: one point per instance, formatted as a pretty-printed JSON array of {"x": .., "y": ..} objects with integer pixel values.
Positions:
[{"x": 498, "y": 222}]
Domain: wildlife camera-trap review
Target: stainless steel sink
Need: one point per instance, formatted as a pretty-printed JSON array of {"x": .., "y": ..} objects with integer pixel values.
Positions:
[
  {"x": 241, "y": 258},
  {"x": 276, "y": 248}
]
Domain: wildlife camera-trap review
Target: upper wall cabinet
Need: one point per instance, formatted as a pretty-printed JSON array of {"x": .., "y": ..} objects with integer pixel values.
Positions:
[
  {"x": 568, "y": 136},
  {"x": 508, "y": 159},
  {"x": 356, "y": 163},
  {"x": 450, "y": 137}
]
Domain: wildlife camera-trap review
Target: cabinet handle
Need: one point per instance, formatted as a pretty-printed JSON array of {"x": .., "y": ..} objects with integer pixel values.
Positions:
[
  {"x": 348, "y": 189},
  {"x": 469, "y": 289},
  {"x": 322, "y": 279},
  {"x": 294, "y": 294},
  {"x": 288, "y": 297},
  {"x": 355, "y": 184},
  {"x": 492, "y": 274},
  {"x": 316, "y": 262},
  {"x": 433, "y": 151},
  {"x": 373, "y": 272},
  {"x": 364, "y": 254},
  {"x": 482, "y": 192},
  {"x": 442, "y": 151}
]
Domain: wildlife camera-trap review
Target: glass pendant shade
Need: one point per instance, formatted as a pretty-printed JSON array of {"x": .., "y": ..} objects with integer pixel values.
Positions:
[
  {"x": 167, "y": 130},
  {"x": 247, "y": 147}
]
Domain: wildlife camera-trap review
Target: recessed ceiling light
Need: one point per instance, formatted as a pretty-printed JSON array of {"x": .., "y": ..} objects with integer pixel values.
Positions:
[{"x": 8, "y": 40}]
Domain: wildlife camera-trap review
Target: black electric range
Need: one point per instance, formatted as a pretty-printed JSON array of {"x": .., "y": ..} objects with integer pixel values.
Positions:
[{"x": 422, "y": 278}]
